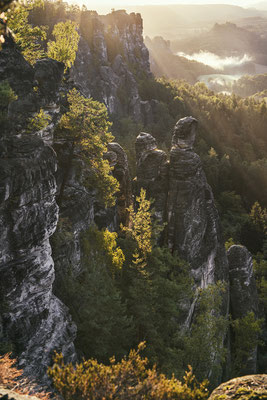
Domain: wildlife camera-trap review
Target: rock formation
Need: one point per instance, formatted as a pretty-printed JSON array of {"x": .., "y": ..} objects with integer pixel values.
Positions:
[
  {"x": 184, "y": 200},
  {"x": 107, "y": 47},
  {"x": 32, "y": 319},
  {"x": 152, "y": 172},
  {"x": 244, "y": 388}
]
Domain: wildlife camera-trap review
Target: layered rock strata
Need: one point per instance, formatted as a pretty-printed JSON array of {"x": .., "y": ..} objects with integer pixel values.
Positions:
[{"x": 32, "y": 320}]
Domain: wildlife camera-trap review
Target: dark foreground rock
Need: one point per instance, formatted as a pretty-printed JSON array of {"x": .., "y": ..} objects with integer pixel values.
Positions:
[{"x": 250, "y": 387}]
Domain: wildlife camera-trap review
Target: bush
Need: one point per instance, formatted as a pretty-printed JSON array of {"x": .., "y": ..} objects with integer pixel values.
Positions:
[{"x": 128, "y": 379}]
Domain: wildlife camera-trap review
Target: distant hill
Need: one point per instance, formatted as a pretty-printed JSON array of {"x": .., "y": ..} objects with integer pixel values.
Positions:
[
  {"x": 164, "y": 63},
  {"x": 226, "y": 40},
  {"x": 178, "y": 21}
]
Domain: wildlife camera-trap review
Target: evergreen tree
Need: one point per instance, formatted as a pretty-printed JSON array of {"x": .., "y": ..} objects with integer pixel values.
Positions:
[
  {"x": 95, "y": 302},
  {"x": 85, "y": 125},
  {"x": 27, "y": 37},
  {"x": 65, "y": 46}
]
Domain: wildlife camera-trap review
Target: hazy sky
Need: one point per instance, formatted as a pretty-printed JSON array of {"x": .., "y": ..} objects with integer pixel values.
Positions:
[{"x": 104, "y": 6}]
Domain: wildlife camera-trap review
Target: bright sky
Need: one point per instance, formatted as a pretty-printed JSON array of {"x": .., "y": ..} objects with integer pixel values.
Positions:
[{"x": 104, "y": 6}]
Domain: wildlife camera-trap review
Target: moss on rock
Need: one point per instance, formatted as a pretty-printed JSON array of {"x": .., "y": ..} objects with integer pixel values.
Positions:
[{"x": 250, "y": 387}]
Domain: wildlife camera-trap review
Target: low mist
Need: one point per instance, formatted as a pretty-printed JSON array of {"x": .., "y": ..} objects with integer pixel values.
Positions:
[{"x": 217, "y": 62}]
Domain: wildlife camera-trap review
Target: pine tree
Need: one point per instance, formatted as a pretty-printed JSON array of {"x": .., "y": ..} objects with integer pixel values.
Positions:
[
  {"x": 85, "y": 125},
  {"x": 65, "y": 46}
]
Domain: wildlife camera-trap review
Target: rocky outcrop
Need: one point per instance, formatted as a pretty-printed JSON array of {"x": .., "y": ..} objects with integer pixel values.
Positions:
[
  {"x": 118, "y": 160},
  {"x": 152, "y": 172},
  {"x": 243, "y": 294},
  {"x": 111, "y": 58},
  {"x": 193, "y": 221},
  {"x": 245, "y": 388},
  {"x": 80, "y": 208},
  {"x": 185, "y": 201},
  {"x": 8, "y": 394},
  {"x": 33, "y": 320}
]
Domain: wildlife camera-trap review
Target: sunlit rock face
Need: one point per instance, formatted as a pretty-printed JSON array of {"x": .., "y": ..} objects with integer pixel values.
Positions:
[
  {"x": 111, "y": 58},
  {"x": 32, "y": 319},
  {"x": 243, "y": 294},
  {"x": 184, "y": 133}
]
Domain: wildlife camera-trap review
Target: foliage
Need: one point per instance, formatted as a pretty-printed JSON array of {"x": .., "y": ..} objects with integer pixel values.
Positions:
[
  {"x": 65, "y": 46},
  {"x": 8, "y": 374},
  {"x": 259, "y": 216},
  {"x": 110, "y": 245},
  {"x": 7, "y": 95},
  {"x": 12, "y": 378},
  {"x": 246, "y": 332},
  {"x": 27, "y": 37},
  {"x": 142, "y": 228},
  {"x": 248, "y": 85},
  {"x": 203, "y": 344},
  {"x": 157, "y": 317},
  {"x": 260, "y": 270},
  {"x": 4, "y": 4},
  {"x": 86, "y": 126},
  {"x": 94, "y": 300},
  {"x": 128, "y": 379},
  {"x": 38, "y": 122},
  {"x": 230, "y": 242},
  {"x": 234, "y": 128}
]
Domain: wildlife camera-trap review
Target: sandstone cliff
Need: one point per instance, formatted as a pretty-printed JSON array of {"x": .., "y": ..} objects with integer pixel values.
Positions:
[
  {"x": 33, "y": 320},
  {"x": 111, "y": 58},
  {"x": 185, "y": 201}
]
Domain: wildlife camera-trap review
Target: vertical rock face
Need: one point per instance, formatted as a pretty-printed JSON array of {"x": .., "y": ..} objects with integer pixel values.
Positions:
[
  {"x": 31, "y": 317},
  {"x": 118, "y": 160},
  {"x": 193, "y": 221},
  {"x": 111, "y": 58},
  {"x": 243, "y": 293},
  {"x": 152, "y": 172},
  {"x": 184, "y": 200}
]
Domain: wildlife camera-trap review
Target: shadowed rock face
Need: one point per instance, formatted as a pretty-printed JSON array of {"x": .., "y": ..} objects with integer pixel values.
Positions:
[
  {"x": 243, "y": 293},
  {"x": 31, "y": 317},
  {"x": 184, "y": 200},
  {"x": 193, "y": 221},
  {"x": 118, "y": 160},
  {"x": 152, "y": 172}
]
